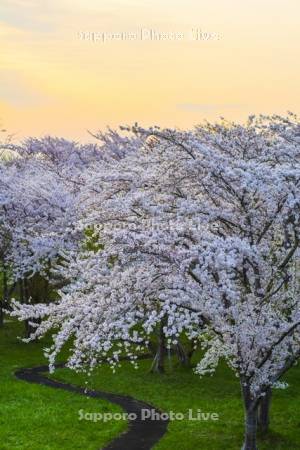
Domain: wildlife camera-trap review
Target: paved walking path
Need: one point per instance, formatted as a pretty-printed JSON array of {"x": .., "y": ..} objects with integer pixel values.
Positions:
[{"x": 141, "y": 434}]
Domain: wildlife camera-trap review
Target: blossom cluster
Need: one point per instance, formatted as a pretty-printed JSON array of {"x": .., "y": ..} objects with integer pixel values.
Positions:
[{"x": 198, "y": 230}]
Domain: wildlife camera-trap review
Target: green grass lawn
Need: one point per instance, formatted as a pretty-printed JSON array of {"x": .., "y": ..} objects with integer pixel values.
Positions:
[
  {"x": 38, "y": 417},
  {"x": 181, "y": 390}
]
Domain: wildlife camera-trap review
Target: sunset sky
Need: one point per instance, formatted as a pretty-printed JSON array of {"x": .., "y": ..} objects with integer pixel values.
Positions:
[{"x": 52, "y": 81}]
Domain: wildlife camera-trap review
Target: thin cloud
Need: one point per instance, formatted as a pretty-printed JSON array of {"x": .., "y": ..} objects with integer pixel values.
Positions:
[
  {"x": 16, "y": 91},
  {"x": 48, "y": 16},
  {"x": 194, "y": 107}
]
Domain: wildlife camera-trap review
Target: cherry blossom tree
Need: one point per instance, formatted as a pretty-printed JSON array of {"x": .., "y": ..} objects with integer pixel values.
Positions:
[
  {"x": 40, "y": 182},
  {"x": 37, "y": 209},
  {"x": 199, "y": 230}
]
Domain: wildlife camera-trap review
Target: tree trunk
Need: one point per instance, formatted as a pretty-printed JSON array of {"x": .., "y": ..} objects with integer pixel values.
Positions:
[
  {"x": 264, "y": 412},
  {"x": 158, "y": 364},
  {"x": 24, "y": 299},
  {"x": 4, "y": 299},
  {"x": 250, "y": 430},
  {"x": 183, "y": 356},
  {"x": 1, "y": 314},
  {"x": 250, "y": 406}
]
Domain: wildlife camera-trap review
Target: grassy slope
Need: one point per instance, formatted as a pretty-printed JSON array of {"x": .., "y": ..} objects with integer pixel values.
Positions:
[
  {"x": 181, "y": 389},
  {"x": 36, "y": 417},
  {"x": 29, "y": 413}
]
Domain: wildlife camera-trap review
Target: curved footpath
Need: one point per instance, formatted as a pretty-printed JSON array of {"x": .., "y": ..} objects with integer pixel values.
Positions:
[{"x": 141, "y": 434}]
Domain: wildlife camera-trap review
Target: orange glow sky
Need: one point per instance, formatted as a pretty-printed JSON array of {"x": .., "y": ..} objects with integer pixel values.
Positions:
[{"x": 52, "y": 82}]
